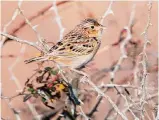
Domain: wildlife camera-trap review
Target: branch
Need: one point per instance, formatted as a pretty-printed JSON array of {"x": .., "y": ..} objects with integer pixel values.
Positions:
[
  {"x": 109, "y": 11},
  {"x": 94, "y": 109},
  {"x": 40, "y": 38},
  {"x": 33, "y": 17},
  {"x": 122, "y": 46},
  {"x": 112, "y": 109},
  {"x": 100, "y": 93},
  {"x": 58, "y": 20},
  {"x": 83, "y": 114},
  {"x": 15, "y": 14},
  {"x": 22, "y": 41},
  {"x": 15, "y": 112},
  {"x": 13, "y": 77},
  {"x": 144, "y": 60}
]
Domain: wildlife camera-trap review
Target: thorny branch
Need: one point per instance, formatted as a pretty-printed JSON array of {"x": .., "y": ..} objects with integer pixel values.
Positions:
[
  {"x": 107, "y": 12},
  {"x": 13, "y": 77},
  {"x": 15, "y": 112},
  {"x": 94, "y": 109},
  {"x": 144, "y": 61},
  {"x": 58, "y": 20},
  {"x": 22, "y": 41},
  {"x": 112, "y": 109},
  {"x": 122, "y": 46},
  {"x": 31, "y": 18},
  {"x": 129, "y": 102},
  {"x": 40, "y": 39}
]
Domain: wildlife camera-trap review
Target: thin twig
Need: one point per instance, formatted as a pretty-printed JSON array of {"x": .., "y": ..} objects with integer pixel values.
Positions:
[
  {"x": 122, "y": 46},
  {"x": 83, "y": 114},
  {"x": 112, "y": 109},
  {"x": 40, "y": 38},
  {"x": 58, "y": 20},
  {"x": 107, "y": 12},
  {"x": 22, "y": 41},
  {"x": 33, "y": 17},
  {"x": 144, "y": 60},
  {"x": 100, "y": 93},
  {"x": 94, "y": 109}
]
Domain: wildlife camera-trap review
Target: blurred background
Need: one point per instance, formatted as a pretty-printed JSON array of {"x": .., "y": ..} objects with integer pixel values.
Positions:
[{"x": 15, "y": 72}]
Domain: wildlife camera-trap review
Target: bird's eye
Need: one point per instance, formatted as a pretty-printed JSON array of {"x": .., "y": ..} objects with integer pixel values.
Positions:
[{"x": 92, "y": 27}]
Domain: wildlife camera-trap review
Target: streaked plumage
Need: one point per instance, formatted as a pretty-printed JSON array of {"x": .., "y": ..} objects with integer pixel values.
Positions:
[{"x": 77, "y": 47}]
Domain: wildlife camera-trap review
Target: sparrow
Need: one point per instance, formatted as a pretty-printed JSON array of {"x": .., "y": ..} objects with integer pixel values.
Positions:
[{"x": 77, "y": 48}]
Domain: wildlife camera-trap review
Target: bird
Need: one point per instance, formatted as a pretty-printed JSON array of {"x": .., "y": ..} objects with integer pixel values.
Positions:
[{"x": 77, "y": 47}]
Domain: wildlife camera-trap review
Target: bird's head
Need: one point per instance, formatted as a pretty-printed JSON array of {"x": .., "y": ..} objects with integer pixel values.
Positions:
[{"x": 91, "y": 27}]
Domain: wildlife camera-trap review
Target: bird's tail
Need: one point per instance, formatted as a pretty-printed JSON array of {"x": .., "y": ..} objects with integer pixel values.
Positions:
[{"x": 35, "y": 59}]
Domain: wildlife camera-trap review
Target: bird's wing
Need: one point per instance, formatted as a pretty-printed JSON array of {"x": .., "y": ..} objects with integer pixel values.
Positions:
[{"x": 73, "y": 48}]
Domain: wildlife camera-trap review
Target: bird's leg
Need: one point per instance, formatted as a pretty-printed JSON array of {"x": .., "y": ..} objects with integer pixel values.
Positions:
[
  {"x": 85, "y": 76},
  {"x": 82, "y": 67},
  {"x": 79, "y": 72}
]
